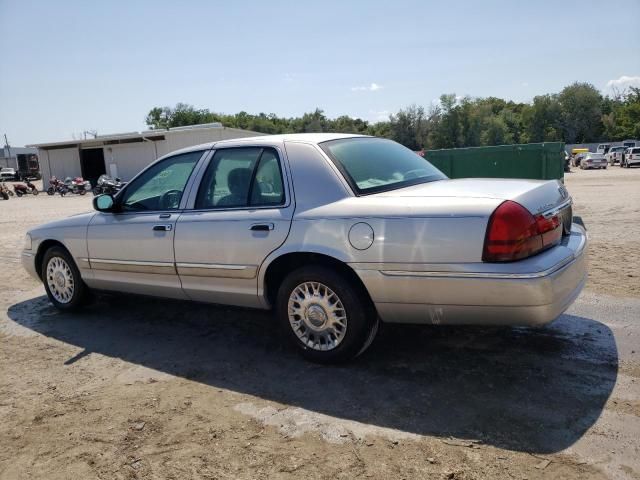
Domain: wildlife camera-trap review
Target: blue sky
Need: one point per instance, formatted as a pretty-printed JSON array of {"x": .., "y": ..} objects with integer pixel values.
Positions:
[{"x": 70, "y": 66}]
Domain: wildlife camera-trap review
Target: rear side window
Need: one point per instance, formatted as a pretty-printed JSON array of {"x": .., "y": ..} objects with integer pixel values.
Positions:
[
  {"x": 372, "y": 165},
  {"x": 242, "y": 177},
  {"x": 635, "y": 150}
]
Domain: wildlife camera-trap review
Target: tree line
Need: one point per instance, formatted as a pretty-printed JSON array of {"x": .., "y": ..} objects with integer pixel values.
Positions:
[{"x": 578, "y": 114}]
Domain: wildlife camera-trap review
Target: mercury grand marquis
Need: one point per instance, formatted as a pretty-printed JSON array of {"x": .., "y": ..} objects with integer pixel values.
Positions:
[{"x": 334, "y": 232}]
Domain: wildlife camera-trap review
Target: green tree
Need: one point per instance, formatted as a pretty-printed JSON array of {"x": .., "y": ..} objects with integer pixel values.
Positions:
[{"x": 581, "y": 113}]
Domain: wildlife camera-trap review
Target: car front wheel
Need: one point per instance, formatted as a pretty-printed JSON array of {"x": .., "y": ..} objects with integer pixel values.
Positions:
[
  {"x": 325, "y": 316},
  {"x": 62, "y": 280}
]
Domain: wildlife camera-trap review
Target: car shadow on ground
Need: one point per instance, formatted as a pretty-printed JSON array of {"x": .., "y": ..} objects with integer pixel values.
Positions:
[{"x": 524, "y": 389}]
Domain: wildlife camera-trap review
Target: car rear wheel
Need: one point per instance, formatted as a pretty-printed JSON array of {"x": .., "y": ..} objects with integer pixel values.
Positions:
[
  {"x": 62, "y": 280},
  {"x": 325, "y": 316}
]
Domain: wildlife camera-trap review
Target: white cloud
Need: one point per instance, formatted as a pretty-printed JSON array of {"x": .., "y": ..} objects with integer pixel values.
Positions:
[
  {"x": 623, "y": 83},
  {"x": 363, "y": 88}
]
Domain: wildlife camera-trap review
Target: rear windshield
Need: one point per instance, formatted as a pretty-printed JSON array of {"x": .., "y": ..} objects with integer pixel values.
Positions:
[
  {"x": 373, "y": 165},
  {"x": 616, "y": 149},
  {"x": 596, "y": 156}
]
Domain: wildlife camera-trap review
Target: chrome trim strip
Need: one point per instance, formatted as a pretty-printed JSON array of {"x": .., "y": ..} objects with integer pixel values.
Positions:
[
  {"x": 214, "y": 270},
  {"x": 212, "y": 265},
  {"x": 27, "y": 254},
  {"x": 505, "y": 276},
  {"x": 555, "y": 210},
  {"x": 84, "y": 263},
  {"x": 162, "y": 268},
  {"x": 132, "y": 262}
]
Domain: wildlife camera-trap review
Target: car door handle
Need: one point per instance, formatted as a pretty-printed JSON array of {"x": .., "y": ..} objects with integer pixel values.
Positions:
[
  {"x": 262, "y": 227},
  {"x": 162, "y": 228}
]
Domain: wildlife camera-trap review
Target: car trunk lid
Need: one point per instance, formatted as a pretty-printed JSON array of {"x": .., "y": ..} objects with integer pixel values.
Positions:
[{"x": 537, "y": 196}]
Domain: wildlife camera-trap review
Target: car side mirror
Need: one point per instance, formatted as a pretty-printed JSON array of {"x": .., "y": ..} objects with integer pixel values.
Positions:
[{"x": 103, "y": 203}]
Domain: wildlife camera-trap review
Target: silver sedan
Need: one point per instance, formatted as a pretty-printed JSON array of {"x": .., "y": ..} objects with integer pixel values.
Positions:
[{"x": 334, "y": 232}]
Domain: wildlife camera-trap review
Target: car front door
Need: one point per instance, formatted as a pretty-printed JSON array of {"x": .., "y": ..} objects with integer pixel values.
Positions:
[
  {"x": 131, "y": 249},
  {"x": 240, "y": 213}
]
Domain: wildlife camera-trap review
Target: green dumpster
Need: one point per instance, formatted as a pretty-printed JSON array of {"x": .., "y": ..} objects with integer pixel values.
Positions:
[{"x": 543, "y": 161}]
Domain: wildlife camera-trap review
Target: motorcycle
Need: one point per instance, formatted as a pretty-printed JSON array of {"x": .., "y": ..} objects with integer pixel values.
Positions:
[
  {"x": 56, "y": 185},
  {"x": 25, "y": 188},
  {"x": 4, "y": 191},
  {"x": 106, "y": 184},
  {"x": 77, "y": 185}
]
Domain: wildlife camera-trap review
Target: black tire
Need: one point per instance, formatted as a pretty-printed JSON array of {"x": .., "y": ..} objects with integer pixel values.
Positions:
[
  {"x": 80, "y": 293},
  {"x": 35, "y": 191},
  {"x": 51, "y": 191},
  {"x": 362, "y": 320},
  {"x": 19, "y": 193},
  {"x": 5, "y": 195}
]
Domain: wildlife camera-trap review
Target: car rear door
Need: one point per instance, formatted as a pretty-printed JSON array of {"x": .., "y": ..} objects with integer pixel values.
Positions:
[
  {"x": 240, "y": 212},
  {"x": 132, "y": 249}
]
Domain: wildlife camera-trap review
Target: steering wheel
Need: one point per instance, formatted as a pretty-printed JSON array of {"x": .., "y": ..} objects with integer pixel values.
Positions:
[
  {"x": 415, "y": 173},
  {"x": 170, "y": 199}
]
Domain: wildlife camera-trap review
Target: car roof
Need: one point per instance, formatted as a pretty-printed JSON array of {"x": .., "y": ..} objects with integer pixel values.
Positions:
[{"x": 313, "y": 138}]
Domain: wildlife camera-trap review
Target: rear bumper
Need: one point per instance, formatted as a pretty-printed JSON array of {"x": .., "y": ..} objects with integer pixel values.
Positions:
[{"x": 534, "y": 291}]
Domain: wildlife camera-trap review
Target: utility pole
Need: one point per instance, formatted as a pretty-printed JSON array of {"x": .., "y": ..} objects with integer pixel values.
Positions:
[{"x": 6, "y": 144}]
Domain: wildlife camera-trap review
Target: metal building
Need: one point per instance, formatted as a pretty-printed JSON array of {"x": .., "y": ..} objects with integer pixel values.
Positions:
[{"x": 124, "y": 155}]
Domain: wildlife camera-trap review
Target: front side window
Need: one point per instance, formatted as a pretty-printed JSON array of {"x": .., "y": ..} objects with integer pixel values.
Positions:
[
  {"x": 242, "y": 177},
  {"x": 161, "y": 186},
  {"x": 373, "y": 165}
]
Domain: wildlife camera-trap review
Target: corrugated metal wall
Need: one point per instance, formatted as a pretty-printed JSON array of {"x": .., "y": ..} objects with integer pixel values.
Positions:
[
  {"x": 544, "y": 161},
  {"x": 129, "y": 158},
  {"x": 63, "y": 162}
]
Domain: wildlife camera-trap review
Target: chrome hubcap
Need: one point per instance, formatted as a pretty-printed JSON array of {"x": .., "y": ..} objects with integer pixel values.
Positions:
[
  {"x": 60, "y": 280},
  {"x": 317, "y": 316}
]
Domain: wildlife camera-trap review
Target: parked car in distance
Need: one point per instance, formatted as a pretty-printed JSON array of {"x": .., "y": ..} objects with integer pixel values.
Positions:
[
  {"x": 334, "y": 232},
  {"x": 7, "y": 174},
  {"x": 577, "y": 159},
  {"x": 631, "y": 157},
  {"x": 593, "y": 160},
  {"x": 615, "y": 154},
  {"x": 630, "y": 143},
  {"x": 603, "y": 148}
]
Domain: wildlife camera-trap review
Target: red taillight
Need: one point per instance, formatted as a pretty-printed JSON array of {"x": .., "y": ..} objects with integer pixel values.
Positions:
[{"x": 514, "y": 233}]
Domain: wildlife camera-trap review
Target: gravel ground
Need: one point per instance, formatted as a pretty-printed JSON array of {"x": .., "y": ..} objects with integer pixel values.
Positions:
[{"x": 140, "y": 388}]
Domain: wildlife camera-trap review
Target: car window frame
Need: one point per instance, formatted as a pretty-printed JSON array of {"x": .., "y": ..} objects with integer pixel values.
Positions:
[
  {"x": 197, "y": 184},
  {"x": 119, "y": 197}
]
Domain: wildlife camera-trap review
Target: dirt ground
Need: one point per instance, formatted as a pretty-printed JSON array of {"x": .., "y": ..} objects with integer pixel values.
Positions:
[
  {"x": 609, "y": 202},
  {"x": 140, "y": 388}
]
